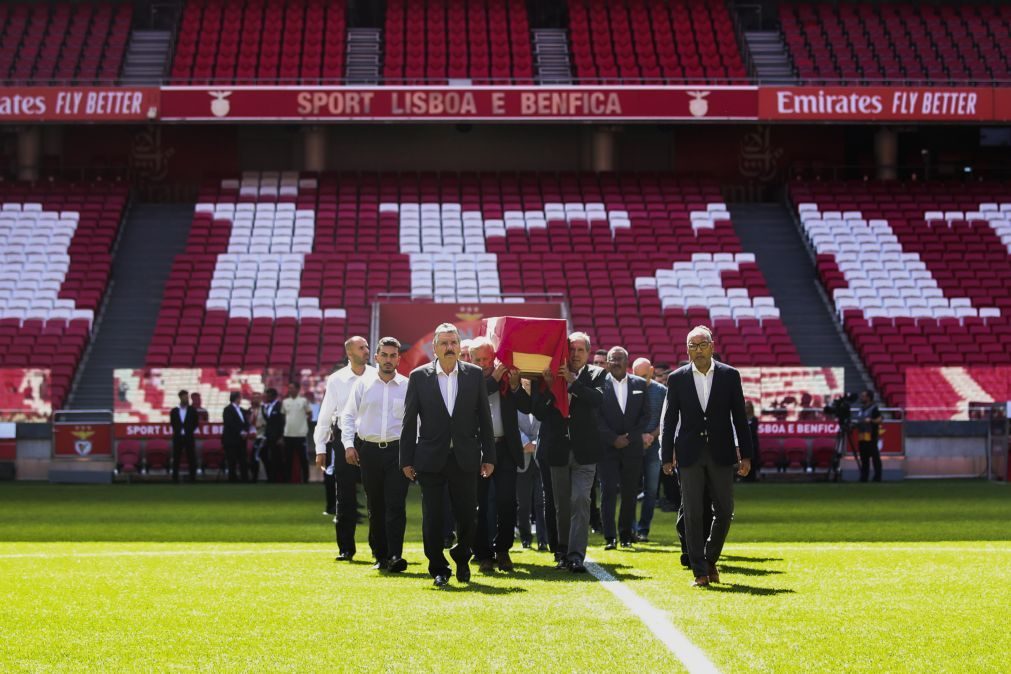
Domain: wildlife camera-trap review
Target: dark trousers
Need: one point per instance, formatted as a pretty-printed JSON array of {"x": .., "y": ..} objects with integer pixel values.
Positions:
[
  {"x": 680, "y": 525},
  {"x": 463, "y": 497},
  {"x": 254, "y": 459},
  {"x": 496, "y": 518},
  {"x": 530, "y": 494},
  {"x": 329, "y": 485},
  {"x": 620, "y": 472},
  {"x": 189, "y": 446},
  {"x": 869, "y": 453},
  {"x": 235, "y": 459},
  {"x": 694, "y": 481},
  {"x": 294, "y": 450},
  {"x": 386, "y": 496},
  {"x": 550, "y": 515},
  {"x": 346, "y": 478},
  {"x": 274, "y": 459}
]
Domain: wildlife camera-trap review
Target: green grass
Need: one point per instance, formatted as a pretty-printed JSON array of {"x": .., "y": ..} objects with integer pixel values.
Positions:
[{"x": 906, "y": 577}]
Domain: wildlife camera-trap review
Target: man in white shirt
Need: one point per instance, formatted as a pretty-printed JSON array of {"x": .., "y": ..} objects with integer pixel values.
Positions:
[
  {"x": 370, "y": 427},
  {"x": 297, "y": 413},
  {"x": 342, "y": 477},
  {"x": 703, "y": 422},
  {"x": 623, "y": 416},
  {"x": 455, "y": 445}
]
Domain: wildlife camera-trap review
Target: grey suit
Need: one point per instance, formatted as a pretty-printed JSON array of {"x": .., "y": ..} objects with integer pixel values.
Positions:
[{"x": 448, "y": 451}]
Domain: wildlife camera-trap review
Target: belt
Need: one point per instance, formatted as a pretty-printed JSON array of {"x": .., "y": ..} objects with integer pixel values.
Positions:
[{"x": 380, "y": 445}]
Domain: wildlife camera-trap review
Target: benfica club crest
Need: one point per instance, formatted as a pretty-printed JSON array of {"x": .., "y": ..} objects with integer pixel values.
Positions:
[
  {"x": 83, "y": 443},
  {"x": 699, "y": 107}
]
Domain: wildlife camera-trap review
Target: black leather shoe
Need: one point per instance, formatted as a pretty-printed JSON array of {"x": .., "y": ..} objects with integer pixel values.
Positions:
[
  {"x": 542, "y": 547},
  {"x": 463, "y": 572},
  {"x": 381, "y": 565},
  {"x": 344, "y": 557},
  {"x": 685, "y": 562},
  {"x": 562, "y": 564},
  {"x": 642, "y": 537},
  {"x": 611, "y": 544},
  {"x": 525, "y": 544},
  {"x": 577, "y": 567},
  {"x": 397, "y": 564},
  {"x": 627, "y": 545},
  {"x": 441, "y": 581}
]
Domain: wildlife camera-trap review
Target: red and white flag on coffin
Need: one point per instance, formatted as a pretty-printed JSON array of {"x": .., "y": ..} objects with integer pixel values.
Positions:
[{"x": 532, "y": 345}]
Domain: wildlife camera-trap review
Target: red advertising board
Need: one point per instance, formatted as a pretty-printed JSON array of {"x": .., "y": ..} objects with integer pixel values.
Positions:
[
  {"x": 865, "y": 104},
  {"x": 1002, "y": 104},
  {"x": 98, "y": 104},
  {"x": 477, "y": 103},
  {"x": 82, "y": 440}
]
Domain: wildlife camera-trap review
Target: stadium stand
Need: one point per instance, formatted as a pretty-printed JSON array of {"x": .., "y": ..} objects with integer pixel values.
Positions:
[
  {"x": 65, "y": 42},
  {"x": 232, "y": 41},
  {"x": 924, "y": 265},
  {"x": 689, "y": 40},
  {"x": 55, "y": 243},
  {"x": 898, "y": 42},
  {"x": 431, "y": 41},
  {"x": 276, "y": 260}
]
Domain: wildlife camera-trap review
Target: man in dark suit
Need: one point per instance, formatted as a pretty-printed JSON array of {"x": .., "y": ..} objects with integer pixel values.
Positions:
[
  {"x": 233, "y": 438},
  {"x": 184, "y": 424},
  {"x": 572, "y": 447},
  {"x": 705, "y": 436},
  {"x": 456, "y": 444},
  {"x": 273, "y": 445},
  {"x": 623, "y": 417},
  {"x": 496, "y": 519}
]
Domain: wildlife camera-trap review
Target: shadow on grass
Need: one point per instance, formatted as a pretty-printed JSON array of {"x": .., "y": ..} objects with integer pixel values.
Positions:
[
  {"x": 474, "y": 586},
  {"x": 745, "y": 571},
  {"x": 738, "y": 558},
  {"x": 737, "y": 588}
]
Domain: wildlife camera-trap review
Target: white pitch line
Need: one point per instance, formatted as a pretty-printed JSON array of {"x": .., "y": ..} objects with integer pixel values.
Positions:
[
  {"x": 690, "y": 655},
  {"x": 161, "y": 553}
]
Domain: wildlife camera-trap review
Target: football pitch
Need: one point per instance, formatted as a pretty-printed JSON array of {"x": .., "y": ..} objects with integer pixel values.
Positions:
[{"x": 913, "y": 576}]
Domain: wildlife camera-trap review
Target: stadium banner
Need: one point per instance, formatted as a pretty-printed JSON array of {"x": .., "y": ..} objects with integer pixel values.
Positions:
[
  {"x": 24, "y": 395},
  {"x": 471, "y": 103},
  {"x": 81, "y": 104},
  {"x": 865, "y": 104},
  {"x": 412, "y": 323},
  {"x": 1002, "y": 104},
  {"x": 143, "y": 399},
  {"x": 82, "y": 440}
]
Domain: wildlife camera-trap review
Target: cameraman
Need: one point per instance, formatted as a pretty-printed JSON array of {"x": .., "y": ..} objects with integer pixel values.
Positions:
[{"x": 866, "y": 420}]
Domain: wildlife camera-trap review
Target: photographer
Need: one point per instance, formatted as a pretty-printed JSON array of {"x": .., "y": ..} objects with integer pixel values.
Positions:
[{"x": 866, "y": 420}]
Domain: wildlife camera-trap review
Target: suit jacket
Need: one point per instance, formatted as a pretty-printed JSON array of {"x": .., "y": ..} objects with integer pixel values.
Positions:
[
  {"x": 183, "y": 430},
  {"x": 579, "y": 433},
  {"x": 510, "y": 424},
  {"x": 233, "y": 425},
  {"x": 467, "y": 436},
  {"x": 634, "y": 421},
  {"x": 275, "y": 422},
  {"x": 712, "y": 425}
]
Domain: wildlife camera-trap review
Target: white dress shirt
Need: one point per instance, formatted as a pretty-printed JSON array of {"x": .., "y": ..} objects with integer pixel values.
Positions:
[
  {"x": 449, "y": 384},
  {"x": 338, "y": 388},
  {"x": 374, "y": 410},
  {"x": 703, "y": 383},
  {"x": 620, "y": 390},
  {"x": 182, "y": 414}
]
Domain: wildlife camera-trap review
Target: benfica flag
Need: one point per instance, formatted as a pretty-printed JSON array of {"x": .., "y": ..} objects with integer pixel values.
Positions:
[{"x": 532, "y": 345}]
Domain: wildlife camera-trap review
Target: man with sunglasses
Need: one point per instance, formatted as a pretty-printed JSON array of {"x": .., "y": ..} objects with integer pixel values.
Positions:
[{"x": 705, "y": 436}]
